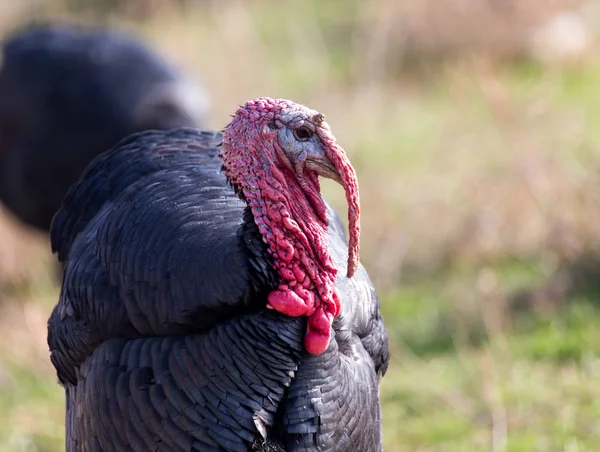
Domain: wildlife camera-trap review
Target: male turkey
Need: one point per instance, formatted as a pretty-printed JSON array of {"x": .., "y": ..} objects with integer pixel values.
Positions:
[
  {"x": 211, "y": 301},
  {"x": 68, "y": 93}
]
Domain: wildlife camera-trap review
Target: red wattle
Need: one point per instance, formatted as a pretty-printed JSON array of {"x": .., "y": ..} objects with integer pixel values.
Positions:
[
  {"x": 336, "y": 307},
  {"x": 289, "y": 303},
  {"x": 318, "y": 332}
]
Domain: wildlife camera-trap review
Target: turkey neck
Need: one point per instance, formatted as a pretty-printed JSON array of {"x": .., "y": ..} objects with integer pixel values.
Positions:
[{"x": 291, "y": 218}]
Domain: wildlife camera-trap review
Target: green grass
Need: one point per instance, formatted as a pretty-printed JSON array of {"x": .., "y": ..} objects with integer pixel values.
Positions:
[
  {"x": 32, "y": 416},
  {"x": 532, "y": 387}
]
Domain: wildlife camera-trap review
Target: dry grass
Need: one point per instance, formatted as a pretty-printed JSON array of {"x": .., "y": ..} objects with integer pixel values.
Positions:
[
  {"x": 24, "y": 253},
  {"x": 439, "y": 28}
]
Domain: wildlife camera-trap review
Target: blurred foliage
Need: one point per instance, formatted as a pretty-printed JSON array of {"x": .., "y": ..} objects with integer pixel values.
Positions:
[{"x": 472, "y": 126}]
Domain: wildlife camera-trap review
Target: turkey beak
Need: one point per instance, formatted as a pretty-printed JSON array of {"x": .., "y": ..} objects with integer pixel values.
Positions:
[{"x": 323, "y": 167}]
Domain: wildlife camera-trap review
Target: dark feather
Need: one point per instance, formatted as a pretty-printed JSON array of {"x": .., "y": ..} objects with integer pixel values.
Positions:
[
  {"x": 68, "y": 94},
  {"x": 161, "y": 336}
]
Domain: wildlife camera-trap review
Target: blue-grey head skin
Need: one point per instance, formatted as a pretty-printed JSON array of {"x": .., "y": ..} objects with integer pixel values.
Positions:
[
  {"x": 69, "y": 93},
  {"x": 161, "y": 336}
]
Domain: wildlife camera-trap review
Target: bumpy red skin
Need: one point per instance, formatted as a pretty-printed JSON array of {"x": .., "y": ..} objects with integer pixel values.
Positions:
[{"x": 290, "y": 213}]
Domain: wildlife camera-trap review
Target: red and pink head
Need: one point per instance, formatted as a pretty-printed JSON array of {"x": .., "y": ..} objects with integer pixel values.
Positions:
[{"x": 273, "y": 152}]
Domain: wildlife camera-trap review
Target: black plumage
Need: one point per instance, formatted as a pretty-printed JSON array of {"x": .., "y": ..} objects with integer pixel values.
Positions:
[
  {"x": 69, "y": 93},
  {"x": 161, "y": 337}
]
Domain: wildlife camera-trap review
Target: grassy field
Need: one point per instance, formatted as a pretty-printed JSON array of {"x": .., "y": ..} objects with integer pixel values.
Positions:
[{"x": 479, "y": 188}]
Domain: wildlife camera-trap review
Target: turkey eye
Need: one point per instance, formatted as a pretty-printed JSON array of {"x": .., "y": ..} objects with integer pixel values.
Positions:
[{"x": 302, "y": 133}]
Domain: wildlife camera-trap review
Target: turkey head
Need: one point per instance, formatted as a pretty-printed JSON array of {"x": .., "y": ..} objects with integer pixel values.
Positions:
[{"x": 273, "y": 152}]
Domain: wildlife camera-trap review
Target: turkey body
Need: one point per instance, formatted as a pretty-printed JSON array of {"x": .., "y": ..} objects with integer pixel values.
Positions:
[
  {"x": 161, "y": 337},
  {"x": 69, "y": 93}
]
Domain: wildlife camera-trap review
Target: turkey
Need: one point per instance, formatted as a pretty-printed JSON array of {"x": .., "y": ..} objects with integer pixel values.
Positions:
[
  {"x": 211, "y": 299},
  {"x": 68, "y": 93}
]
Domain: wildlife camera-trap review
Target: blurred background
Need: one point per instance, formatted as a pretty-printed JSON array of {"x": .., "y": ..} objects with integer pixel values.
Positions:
[{"x": 474, "y": 127}]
